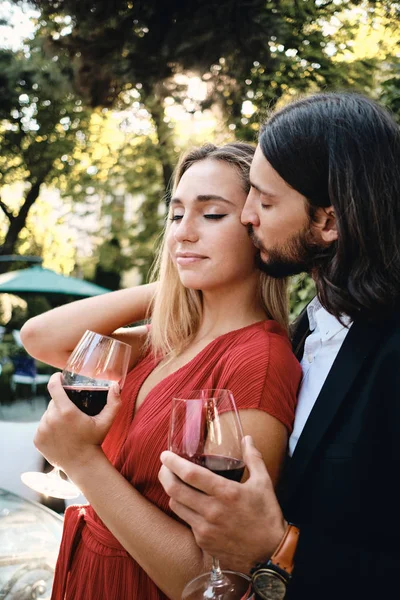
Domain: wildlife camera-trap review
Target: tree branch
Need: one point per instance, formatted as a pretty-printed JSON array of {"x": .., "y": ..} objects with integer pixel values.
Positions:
[{"x": 7, "y": 212}]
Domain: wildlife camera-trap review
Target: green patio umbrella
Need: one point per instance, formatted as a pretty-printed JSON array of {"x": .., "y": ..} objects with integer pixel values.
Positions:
[{"x": 37, "y": 280}]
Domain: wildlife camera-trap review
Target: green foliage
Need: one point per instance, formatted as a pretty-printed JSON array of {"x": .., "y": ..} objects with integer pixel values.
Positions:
[
  {"x": 41, "y": 122},
  {"x": 301, "y": 291},
  {"x": 6, "y": 368},
  {"x": 148, "y": 42},
  {"x": 391, "y": 92},
  {"x": 36, "y": 305},
  {"x": 129, "y": 184},
  {"x": 297, "y": 58},
  {"x": 18, "y": 318},
  {"x": 125, "y": 53},
  {"x": 260, "y": 51},
  {"x": 244, "y": 50},
  {"x": 41, "y": 117},
  {"x": 5, "y": 350}
]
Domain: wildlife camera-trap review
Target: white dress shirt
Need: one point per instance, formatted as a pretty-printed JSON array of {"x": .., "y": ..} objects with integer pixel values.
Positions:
[{"x": 320, "y": 350}]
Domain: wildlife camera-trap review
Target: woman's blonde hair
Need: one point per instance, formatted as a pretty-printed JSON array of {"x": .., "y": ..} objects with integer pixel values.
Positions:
[{"x": 177, "y": 311}]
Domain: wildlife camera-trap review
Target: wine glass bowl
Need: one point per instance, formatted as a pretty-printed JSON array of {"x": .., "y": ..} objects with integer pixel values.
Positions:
[
  {"x": 205, "y": 429},
  {"x": 96, "y": 362},
  {"x": 94, "y": 365}
]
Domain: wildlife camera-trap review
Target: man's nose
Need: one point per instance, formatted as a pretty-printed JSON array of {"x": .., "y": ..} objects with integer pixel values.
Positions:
[{"x": 249, "y": 214}]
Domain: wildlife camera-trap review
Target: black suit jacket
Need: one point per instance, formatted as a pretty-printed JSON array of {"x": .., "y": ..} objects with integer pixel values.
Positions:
[{"x": 341, "y": 484}]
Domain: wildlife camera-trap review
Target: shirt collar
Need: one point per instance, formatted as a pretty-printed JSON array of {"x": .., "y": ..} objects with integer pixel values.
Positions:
[
  {"x": 312, "y": 308},
  {"x": 321, "y": 320}
]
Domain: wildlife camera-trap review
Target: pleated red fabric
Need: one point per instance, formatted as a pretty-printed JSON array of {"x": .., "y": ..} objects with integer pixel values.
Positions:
[{"x": 256, "y": 363}]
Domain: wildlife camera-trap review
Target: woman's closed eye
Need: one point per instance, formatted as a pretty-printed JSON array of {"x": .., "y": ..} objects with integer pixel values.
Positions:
[
  {"x": 212, "y": 216},
  {"x": 208, "y": 216}
]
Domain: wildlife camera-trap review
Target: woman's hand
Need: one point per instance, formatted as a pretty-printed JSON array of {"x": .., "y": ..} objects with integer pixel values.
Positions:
[{"x": 67, "y": 437}]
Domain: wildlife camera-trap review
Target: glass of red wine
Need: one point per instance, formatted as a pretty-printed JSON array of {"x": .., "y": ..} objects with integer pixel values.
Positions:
[
  {"x": 96, "y": 362},
  {"x": 94, "y": 365},
  {"x": 205, "y": 428}
]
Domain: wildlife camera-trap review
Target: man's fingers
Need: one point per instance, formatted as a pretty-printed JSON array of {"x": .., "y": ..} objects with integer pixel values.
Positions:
[
  {"x": 186, "y": 514},
  {"x": 197, "y": 477},
  {"x": 253, "y": 459},
  {"x": 179, "y": 491},
  {"x": 187, "y": 503}
]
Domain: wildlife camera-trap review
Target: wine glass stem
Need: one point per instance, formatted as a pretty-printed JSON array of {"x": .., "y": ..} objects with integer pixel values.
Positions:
[
  {"x": 216, "y": 573},
  {"x": 54, "y": 473}
]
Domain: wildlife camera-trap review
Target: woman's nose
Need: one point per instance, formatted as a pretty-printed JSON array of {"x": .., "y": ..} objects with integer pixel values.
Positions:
[{"x": 186, "y": 230}]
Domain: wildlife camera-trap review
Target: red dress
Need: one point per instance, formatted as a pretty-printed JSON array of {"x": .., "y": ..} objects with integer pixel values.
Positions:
[{"x": 256, "y": 363}]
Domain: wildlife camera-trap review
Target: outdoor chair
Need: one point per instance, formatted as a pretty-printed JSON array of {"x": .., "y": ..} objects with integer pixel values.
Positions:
[{"x": 25, "y": 373}]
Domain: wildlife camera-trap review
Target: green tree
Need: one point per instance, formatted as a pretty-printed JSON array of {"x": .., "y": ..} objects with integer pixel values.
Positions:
[
  {"x": 127, "y": 183},
  {"x": 41, "y": 122},
  {"x": 256, "y": 51},
  {"x": 391, "y": 93}
]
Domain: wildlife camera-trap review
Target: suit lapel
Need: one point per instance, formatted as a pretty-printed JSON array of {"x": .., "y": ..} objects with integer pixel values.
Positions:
[{"x": 358, "y": 343}]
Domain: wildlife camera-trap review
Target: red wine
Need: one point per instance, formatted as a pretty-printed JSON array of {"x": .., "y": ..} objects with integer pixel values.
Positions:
[
  {"x": 90, "y": 400},
  {"x": 230, "y": 468}
]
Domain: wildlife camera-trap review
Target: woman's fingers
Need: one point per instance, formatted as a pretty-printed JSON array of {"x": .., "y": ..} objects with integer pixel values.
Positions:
[{"x": 106, "y": 417}]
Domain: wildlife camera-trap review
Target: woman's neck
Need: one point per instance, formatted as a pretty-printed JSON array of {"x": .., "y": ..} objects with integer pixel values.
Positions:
[{"x": 230, "y": 308}]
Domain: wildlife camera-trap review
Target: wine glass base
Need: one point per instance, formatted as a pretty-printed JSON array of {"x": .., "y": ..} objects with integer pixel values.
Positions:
[
  {"x": 48, "y": 485},
  {"x": 233, "y": 586}
]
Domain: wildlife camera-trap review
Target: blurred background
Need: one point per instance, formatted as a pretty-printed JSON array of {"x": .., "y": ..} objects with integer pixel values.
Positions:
[{"x": 97, "y": 101}]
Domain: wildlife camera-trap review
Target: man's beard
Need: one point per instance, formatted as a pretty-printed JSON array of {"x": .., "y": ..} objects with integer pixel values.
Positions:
[{"x": 299, "y": 254}]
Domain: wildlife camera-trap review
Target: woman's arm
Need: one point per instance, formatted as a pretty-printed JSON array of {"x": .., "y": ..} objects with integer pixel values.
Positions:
[
  {"x": 270, "y": 437},
  {"x": 164, "y": 548},
  {"x": 51, "y": 336}
]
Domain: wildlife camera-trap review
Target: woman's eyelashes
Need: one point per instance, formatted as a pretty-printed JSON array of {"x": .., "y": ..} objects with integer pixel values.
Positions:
[{"x": 210, "y": 216}]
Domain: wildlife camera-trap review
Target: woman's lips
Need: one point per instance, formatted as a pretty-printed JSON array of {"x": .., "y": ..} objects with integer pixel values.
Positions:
[{"x": 188, "y": 258}]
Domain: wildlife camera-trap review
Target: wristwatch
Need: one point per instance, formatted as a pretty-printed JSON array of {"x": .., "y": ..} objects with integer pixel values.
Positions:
[{"x": 271, "y": 578}]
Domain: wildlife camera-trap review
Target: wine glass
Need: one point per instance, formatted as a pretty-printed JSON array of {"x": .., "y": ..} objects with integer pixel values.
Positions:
[
  {"x": 95, "y": 363},
  {"x": 205, "y": 428}
]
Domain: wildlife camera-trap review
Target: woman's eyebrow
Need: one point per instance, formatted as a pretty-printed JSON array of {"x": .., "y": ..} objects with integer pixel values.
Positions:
[{"x": 204, "y": 198}]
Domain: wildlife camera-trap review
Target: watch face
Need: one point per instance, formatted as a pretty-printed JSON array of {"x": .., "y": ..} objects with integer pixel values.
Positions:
[{"x": 269, "y": 586}]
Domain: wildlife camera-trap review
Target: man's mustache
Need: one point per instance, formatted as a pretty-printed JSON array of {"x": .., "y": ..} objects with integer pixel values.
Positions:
[{"x": 253, "y": 237}]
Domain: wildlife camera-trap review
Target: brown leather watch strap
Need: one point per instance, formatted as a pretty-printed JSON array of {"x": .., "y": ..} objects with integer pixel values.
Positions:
[{"x": 283, "y": 557}]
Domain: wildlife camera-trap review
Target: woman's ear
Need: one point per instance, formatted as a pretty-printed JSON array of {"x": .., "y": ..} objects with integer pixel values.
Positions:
[{"x": 325, "y": 222}]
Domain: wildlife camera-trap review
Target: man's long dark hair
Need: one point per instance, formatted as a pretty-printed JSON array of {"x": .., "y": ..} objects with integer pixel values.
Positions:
[{"x": 343, "y": 149}]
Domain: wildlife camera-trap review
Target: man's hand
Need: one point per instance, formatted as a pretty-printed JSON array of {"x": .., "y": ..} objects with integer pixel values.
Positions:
[
  {"x": 239, "y": 523},
  {"x": 67, "y": 437}
]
